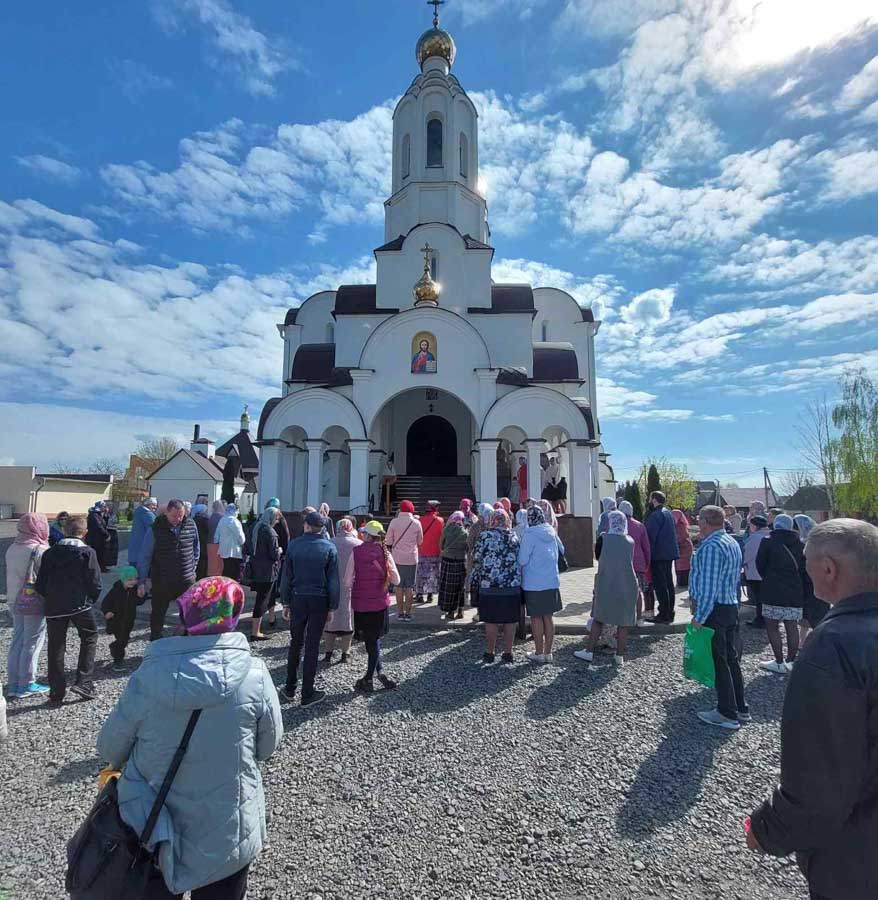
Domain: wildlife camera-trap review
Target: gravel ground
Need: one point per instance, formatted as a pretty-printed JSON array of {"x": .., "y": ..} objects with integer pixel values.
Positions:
[{"x": 505, "y": 782}]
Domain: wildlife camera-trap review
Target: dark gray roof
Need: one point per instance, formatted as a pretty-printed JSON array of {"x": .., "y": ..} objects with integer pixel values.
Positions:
[
  {"x": 266, "y": 412},
  {"x": 290, "y": 318},
  {"x": 811, "y": 496},
  {"x": 517, "y": 377},
  {"x": 395, "y": 244},
  {"x": 469, "y": 241},
  {"x": 242, "y": 443},
  {"x": 315, "y": 364},
  {"x": 474, "y": 244},
  {"x": 555, "y": 362},
  {"x": 585, "y": 409},
  {"x": 358, "y": 300},
  {"x": 587, "y": 314},
  {"x": 507, "y": 298},
  {"x": 96, "y": 477}
]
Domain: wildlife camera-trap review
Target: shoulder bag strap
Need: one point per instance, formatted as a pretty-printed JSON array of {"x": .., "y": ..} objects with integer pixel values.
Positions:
[
  {"x": 403, "y": 534},
  {"x": 432, "y": 523},
  {"x": 32, "y": 569},
  {"x": 169, "y": 778},
  {"x": 793, "y": 558}
]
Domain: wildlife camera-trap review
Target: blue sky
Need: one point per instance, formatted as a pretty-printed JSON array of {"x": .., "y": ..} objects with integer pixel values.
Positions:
[{"x": 176, "y": 173}]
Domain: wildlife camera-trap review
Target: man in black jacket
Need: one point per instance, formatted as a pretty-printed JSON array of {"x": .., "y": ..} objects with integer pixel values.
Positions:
[
  {"x": 69, "y": 582},
  {"x": 826, "y": 806},
  {"x": 168, "y": 560}
]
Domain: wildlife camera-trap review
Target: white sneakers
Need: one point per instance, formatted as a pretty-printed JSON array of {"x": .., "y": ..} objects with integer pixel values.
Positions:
[
  {"x": 536, "y": 657},
  {"x": 779, "y": 668},
  {"x": 715, "y": 718},
  {"x": 548, "y": 658},
  {"x": 584, "y": 655},
  {"x": 618, "y": 660}
]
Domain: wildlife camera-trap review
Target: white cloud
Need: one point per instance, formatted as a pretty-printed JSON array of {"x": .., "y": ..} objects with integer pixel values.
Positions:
[
  {"x": 53, "y": 168},
  {"x": 849, "y": 175},
  {"x": 257, "y": 59},
  {"x": 476, "y": 10},
  {"x": 862, "y": 87},
  {"x": 649, "y": 309},
  {"x": 136, "y": 80}
]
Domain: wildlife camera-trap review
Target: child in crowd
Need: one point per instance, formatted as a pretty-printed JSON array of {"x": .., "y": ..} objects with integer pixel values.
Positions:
[{"x": 119, "y": 607}]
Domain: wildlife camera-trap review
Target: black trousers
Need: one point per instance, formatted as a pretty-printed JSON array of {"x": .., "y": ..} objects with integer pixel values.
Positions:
[
  {"x": 729, "y": 681},
  {"x": 263, "y": 589},
  {"x": 754, "y": 592},
  {"x": 119, "y": 627},
  {"x": 87, "y": 630},
  {"x": 163, "y": 595},
  {"x": 232, "y": 888},
  {"x": 308, "y": 617},
  {"x": 663, "y": 585},
  {"x": 232, "y": 569}
]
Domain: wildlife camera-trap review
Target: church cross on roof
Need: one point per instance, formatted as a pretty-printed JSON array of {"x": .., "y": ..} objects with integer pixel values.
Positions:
[{"x": 436, "y": 4}]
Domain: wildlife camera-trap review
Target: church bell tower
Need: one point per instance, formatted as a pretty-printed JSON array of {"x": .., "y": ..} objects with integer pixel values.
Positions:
[{"x": 436, "y": 147}]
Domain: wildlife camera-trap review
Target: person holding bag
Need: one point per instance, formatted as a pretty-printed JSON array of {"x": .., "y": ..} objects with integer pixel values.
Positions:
[
  {"x": 209, "y": 668},
  {"x": 28, "y": 619}
]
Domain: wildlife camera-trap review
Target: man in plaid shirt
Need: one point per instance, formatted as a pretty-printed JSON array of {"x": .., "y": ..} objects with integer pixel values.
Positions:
[{"x": 713, "y": 588}]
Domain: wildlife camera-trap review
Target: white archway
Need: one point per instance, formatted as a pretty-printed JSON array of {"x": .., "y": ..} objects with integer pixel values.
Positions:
[
  {"x": 314, "y": 410},
  {"x": 534, "y": 410}
]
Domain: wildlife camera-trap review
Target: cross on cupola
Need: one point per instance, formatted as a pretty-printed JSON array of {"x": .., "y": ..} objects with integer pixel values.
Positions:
[{"x": 436, "y": 4}]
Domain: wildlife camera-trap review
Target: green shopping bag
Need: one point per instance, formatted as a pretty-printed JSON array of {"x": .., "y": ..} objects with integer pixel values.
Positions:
[{"x": 698, "y": 656}]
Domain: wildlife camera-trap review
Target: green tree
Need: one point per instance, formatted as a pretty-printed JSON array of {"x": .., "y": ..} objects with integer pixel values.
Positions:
[
  {"x": 673, "y": 479},
  {"x": 856, "y": 418},
  {"x": 230, "y": 473},
  {"x": 635, "y": 498}
]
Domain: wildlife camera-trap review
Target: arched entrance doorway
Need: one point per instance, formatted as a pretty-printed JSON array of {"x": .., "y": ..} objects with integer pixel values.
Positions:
[{"x": 431, "y": 447}]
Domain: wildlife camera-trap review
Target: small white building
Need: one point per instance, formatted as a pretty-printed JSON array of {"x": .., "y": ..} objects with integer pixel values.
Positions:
[
  {"x": 23, "y": 490},
  {"x": 194, "y": 471},
  {"x": 460, "y": 378}
]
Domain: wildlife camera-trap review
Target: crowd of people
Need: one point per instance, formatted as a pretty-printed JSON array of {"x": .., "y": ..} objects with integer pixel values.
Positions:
[{"x": 335, "y": 582}]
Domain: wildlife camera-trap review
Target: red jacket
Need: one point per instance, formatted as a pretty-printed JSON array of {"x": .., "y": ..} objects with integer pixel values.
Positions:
[{"x": 432, "y": 526}]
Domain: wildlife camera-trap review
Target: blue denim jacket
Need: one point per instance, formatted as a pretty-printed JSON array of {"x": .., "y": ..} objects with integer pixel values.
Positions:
[{"x": 310, "y": 570}]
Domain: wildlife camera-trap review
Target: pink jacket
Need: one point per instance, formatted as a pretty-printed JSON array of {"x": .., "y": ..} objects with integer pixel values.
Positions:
[
  {"x": 642, "y": 557},
  {"x": 404, "y": 536}
]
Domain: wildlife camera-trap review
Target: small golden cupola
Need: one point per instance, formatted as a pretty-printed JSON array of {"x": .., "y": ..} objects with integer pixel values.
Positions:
[
  {"x": 435, "y": 41},
  {"x": 426, "y": 291}
]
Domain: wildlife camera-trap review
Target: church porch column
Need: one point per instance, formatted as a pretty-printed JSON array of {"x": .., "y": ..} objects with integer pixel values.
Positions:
[
  {"x": 534, "y": 485},
  {"x": 269, "y": 472},
  {"x": 487, "y": 487},
  {"x": 595, "y": 477},
  {"x": 315, "y": 471},
  {"x": 581, "y": 482},
  {"x": 359, "y": 474}
]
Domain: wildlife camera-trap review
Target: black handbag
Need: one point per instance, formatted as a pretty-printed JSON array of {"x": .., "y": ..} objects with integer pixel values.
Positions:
[
  {"x": 563, "y": 565},
  {"x": 105, "y": 858}
]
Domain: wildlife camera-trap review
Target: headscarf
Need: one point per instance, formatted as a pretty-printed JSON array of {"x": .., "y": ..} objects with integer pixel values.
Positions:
[
  {"x": 499, "y": 519},
  {"x": 199, "y": 508},
  {"x": 626, "y": 508},
  {"x": 607, "y": 504},
  {"x": 344, "y": 525},
  {"x": 783, "y": 522},
  {"x": 466, "y": 505},
  {"x": 151, "y": 501},
  {"x": 506, "y": 503},
  {"x": 273, "y": 502},
  {"x": 231, "y": 510},
  {"x": 805, "y": 523},
  {"x": 757, "y": 508},
  {"x": 521, "y": 519},
  {"x": 535, "y": 517},
  {"x": 268, "y": 516},
  {"x": 211, "y": 606},
  {"x": 324, "y": 510},
  {"x": 618, "y": 522},
  {"x": 680, "y": 517},
  {"x": 548, "y": 513},
  {"x": 406, "y": 506},
  {"x": 33, "y": 529},
  {"x": 456, "y": 518},
  {"x": 218, "y": 508},
  {"x": 498, "y": 505},
  {"x": 485, "y": 510}
]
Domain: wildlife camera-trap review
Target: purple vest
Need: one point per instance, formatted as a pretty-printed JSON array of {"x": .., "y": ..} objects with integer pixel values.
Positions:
[{"x": 369, "y": 593}]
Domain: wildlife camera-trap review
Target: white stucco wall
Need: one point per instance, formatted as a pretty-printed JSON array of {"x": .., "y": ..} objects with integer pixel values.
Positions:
[{"x": 181, "y": 479}]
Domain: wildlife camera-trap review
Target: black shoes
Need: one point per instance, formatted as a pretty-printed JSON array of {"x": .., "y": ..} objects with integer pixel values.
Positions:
[
  {"x": 344, "y": 658},
  {"x": 487, "y": 658},
  {"x": 389, "y": 683},
  {"x": 364, "y": 686},
  {"x": 313, "y": 697},
  {"x": 288, "y": 692},
  {"x": 507, "y": 658},
  {"x": 86, "y": 692},
  {"x": 757, "y": 623},
  {"x": 327, "y": 658}
]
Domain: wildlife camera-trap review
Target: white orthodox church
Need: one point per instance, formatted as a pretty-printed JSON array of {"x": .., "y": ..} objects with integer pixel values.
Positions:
[{"x": 435, "y": 371}]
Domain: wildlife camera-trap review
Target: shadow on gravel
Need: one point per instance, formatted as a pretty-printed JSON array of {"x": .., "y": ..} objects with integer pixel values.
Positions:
[
  {"x": 405, "y": 649},
  {"x": 78, "y": 770},
  {"x": 575, "y": 681},
  {"x": 765, "y": 695},
  {"x": 294, "y": 716},
  {"x": 669, "y": 781}
]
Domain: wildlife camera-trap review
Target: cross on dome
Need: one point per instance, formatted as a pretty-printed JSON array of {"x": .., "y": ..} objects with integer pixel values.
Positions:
[{"x": 436, "y": 4}]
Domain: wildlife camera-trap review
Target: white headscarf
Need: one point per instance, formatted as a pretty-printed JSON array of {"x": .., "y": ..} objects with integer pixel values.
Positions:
[
  {"x": 805, "y": 523},
  {"x": 618, "y": 522},
  {"x": 485, "y": 512},
  {"x": 521, "y": 519},
  {"x": 626, "y": 507},
  {"x": 607, "y": 504}
]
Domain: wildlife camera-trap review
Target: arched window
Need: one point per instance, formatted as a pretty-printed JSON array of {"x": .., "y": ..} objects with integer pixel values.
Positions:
[
  {"x": 434, "y": 142},
  {"x": 330, "y": 333},
  {"x": 464, "y": 155},
  {"x": 545, "y": 330},
  {"x": 406, "y": 156}
]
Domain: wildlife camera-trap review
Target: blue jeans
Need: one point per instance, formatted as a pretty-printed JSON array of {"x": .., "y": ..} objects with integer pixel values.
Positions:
[
  {"x": 28, "y": 635},
  {"x": 307, "y": 618}
]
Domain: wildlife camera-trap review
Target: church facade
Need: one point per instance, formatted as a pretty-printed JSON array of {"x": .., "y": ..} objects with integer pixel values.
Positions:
[{"x": 435, "y": 370}]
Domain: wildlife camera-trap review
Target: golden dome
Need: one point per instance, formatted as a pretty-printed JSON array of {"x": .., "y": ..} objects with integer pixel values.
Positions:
[
  {"x": 426, "y": 291},
  {"x": 435, "y": 42}
]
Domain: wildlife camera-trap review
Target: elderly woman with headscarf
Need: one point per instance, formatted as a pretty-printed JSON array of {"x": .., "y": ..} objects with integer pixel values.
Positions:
[
  {"x": 230, "y": 537},
  {"x": 485, "y": 513},
  {"x": 548, "y": 513},
  {"x": 452, "y": 569},
  {"x": 214, "y": 560},
  {"x": 616, "y": 587},
  {"x": 207, "y": 675},
  {"x": 282, "y": 530},
  {"x": 264, "y": 567},
  {"x": 324, "y": 511},
  {"x": 498, "y": 576},
  {"x": 781, "y": 565},
  {"x": 469, "y": 517},
  {"x": 429, "y": 554},
  {"x": 608, "y": 504},
  {"x": 813, "y": 609},
  {"x": 538, "y": 558},
  {"x": 684, "y": 542},
  {"x": 339, "y": 628},
  {"x": 28, "y": 622}
]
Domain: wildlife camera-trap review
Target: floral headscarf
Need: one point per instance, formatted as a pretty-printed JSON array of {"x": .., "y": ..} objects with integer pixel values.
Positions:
[
  {"x": 608, "y": 504},
  {"x": 618, "y": 522},
  {"x": 344, "y": 526},
  {"x": 535, "y": 517},
  {"x": 466, "y": 505},
  {"x": 212, "y": 606},
  {"x": 521, "y": 519},
  {"x": 485, "y": 512},
  {"x": 456, "y": 518},
  {"x": 33, "y": 528},
  {"x": 548, "y": 513},
  {"x": 499, "y": 519},
  {"x": 506, "y": 503}
]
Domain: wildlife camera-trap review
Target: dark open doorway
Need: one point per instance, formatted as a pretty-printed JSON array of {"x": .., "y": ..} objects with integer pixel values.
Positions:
[{"x": 431, "y": 447}]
